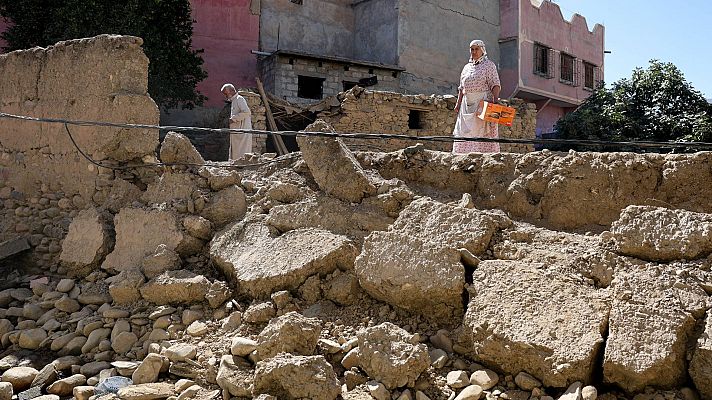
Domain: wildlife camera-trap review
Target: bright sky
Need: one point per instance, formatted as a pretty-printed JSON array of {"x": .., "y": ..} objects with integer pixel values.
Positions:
[{"x": 678, "y": 31}]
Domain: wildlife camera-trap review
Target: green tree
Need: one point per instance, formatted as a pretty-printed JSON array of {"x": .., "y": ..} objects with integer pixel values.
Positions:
[
  {"x": 165, "y": 26},
  {"x": 654, "y": 104}
]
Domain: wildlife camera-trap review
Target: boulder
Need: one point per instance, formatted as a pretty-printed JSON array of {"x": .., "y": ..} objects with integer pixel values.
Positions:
[
  {"x": 20, "y": 377},
  {"x": 290, "y": 333},
  {"x": 291, "y": 377},
  {"x": 32, "y": 338},
  {"x": 87, "y": 242},
  {"x": 180, "y": 352},
  {"x": 242, "y": 347},
  {"x": 701, "y": 365},
  {"x": 333, "y": 166},
  {"x": 219, "y": 178},
  {"x": 197, "y": 227},
  {"x": 177, "y": 148},
  {"x": 138, "y": 234},
  {"x": 124, "y": 287},
  {"x": 661, "y": 234},
  {"x": 45, "y": 377},
  {"x": 65, "y": 387},
  {"x": 149, "y": 369},
  {"x": 123, "y": 342},
  {"x": 417, "y": 264},
  {"x": 170, "y": 186},
  {"x": 235, "y": 375},
  {"x": 391, "y": 355},
  {"x": 262, "y": 263},
  {"x": 161, "y": 260},
  {"x": 524, "y": 318},
  {"x": 147, "y": 391},
  {"x": 653, "y": 315},
  {"x": 225, "y": 206},
  {"x": 176, "y": 287}
]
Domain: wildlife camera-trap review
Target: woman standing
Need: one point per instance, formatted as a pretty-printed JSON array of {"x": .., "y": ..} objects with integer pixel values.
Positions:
[{"x": 478, "y": 81}]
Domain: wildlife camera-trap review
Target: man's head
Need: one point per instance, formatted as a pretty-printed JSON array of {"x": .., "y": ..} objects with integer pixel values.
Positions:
[{"x": 228, "y": 90}]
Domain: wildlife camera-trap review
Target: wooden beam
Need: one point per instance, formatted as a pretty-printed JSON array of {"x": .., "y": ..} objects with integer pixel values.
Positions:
[{"x": 276, "y": 139}]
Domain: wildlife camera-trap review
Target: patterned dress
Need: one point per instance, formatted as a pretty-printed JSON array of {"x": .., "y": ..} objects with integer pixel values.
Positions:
[{"x": 476, "y": 82}]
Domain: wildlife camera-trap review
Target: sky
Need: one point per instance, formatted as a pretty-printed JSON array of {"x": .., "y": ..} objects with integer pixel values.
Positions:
[{"x": 678, "y": 31}]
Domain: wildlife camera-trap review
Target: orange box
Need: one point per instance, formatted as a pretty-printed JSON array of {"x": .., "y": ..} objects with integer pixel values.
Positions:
[{"x": 498, "y": 113}]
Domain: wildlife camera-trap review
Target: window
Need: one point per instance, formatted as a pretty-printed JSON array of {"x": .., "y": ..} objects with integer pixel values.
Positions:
[
  {"x": 589, "y": 71},
  {"x": 348, "y": 85},
  {"x": 569, "y": 70},
  {"x": 415, "y": 119},
  {"x": 543, "y": 61},
  {"x": 309, "y": 87}
]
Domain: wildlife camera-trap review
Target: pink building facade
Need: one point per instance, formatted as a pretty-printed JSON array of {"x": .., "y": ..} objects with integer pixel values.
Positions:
[{"x": 548, "y": 60}]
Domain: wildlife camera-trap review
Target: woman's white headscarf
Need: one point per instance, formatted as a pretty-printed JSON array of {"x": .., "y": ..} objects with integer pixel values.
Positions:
[{"x": 481, "y": 45}]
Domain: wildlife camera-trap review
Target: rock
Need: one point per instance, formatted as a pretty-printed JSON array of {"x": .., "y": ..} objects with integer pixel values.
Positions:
[
  {"x": 232, "y": 321},
  {"x": 219, "y": 178},
  {"x": 296, "y": 377},
  {"x": 94, "y": 368},
  {"x": 177, "y": 148},
  {"x": 333, "y": 166},
  {"x": 66, "y": 362},
  {"x": 484, "y": 378},
  {"x": 438, "y": 358},
  {"x": 526, "y": 381},
  {"x": 5, "y": 391},
  {"x": 198, "y": 227},
  {"x": 146, "y": 391},
  {"x": 123, "y": 342},
  {"x": 441, "y": 340},
  {"x": 421, "y": 396},
  {"x": 235, "y": 375},
  {"x": 66, "y": 285},
  {"x": 190, "y": 392},
  {"x": 589, "y": 393},
  {"x": 416, "y": 265},
  {"x": 162, "y": 260},
  {"x": 457, "y": 379},
  {"x": 197, "y": 328},
  {"x": 661, "y": 234},
  {"x": 290, "y": 333},
  {"x": 391, "y": 355},
  {"x": 227, "y": 205},
  {"x": 86, "y": 244},
  {"x": 343, "y": 289},
  {"x": 180, "y": 352},
  {"x": 45, "y": 377},
  {"x": 701, "y": 365},
  {"x": 377, "y": 390},
  {"x": 183, "y": 384},
  {"x": 242, "y": 347},
  {"x": 573, "y": 392},
  {"x": 32, "y": 311},
  {"x": 20, "y": 377},
  {"x": 138, "y": 234},
  {"x": 83, "y": 392},
  {"x": 74, "y": 346},
  {"x": 170, "y": 186},
  {"x": 176, "y": 287},
  {"x": 262, "y": 264},
  {"x": 32, "y": 338},
  {"x": 329, "y": 346},
  {"x": 653, "y": 315},
  {"x": 67, "y": 304},
  {"x": 124, "y": 287},
  {"x": 551, "y": 347},
  {"x": 190, "y": 316},
  {"x": 6, "y": 327},
  {"x": 65, "y": 387},
  {"x": 472, "y": 392},
  {"x": 351, "y": 359},
  {"x": 94, "y": 338},
  {"x": 218, "y": 294},
  {"x": 149, "y": 369},
  {"x": 44, "y": 397}
]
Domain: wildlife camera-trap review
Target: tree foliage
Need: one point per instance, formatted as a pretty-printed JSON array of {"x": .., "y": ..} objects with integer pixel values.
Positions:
[
  {"x": 654, "y": 104},
  {"x": 165, "y": 26}
]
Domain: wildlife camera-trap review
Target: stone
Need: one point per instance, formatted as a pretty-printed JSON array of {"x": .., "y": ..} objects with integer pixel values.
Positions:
[
  {"x": 6, "y": 327},
  {"x": 66, "y": 362},
  {"x": 701, "y": 364},
  {"x": 351, "y": 359},
  {"x": 20, "y": 377},
  {"x": 183, "y": 384},
  {"x": 94, "y": 338},
  {"x": 87, "y": 242},
  {"x": 32, "y": 338},
  {"x": 573, "y": 392},
  {"x": 441, "y": 340},
  {"x": 484, "y": 378},
  {"x": 74, "y": 346},
  {"x": 262, "y": 263},
  {"x": 190, "y": 316},
  {"x": 138, "y": 234},
  {"x": 343, "y": 289},
  {"x": 177, "y": 148},
  {"x": 549, "y": 346},
  {"x": 220, "y": 178},
  {"x": 242, "y": 347},
  {"x": 198, "y": 227},
  {"x": 123, "y": 342},
  {"x": 526, "y": 381},
  {"x": 168, "y": 187},
  {"x": 417, "y": 265},
  {"x": 94, "y": 368},
  {"x": 176, "y": 287},
  {"x": 421, "y": 396},
  {"x": 146, "y": 391},
  {"x": 333, "y": 166},
  {"x": 148, "y": 370},
  {"x": 190, "y": 392},
  {"x": 65, "y": 285},
  {"x": 589, "y": 393},
  {"x": 225, "y": 206},
  {"x": 235, "y": 375},
  {"x": 65, "y": 387},
  {"x": 472, "y": 392},
  {"x": 43, "y": 397},
  {"x": 45, "y": 377},
  {"x": 232, "y": 321},
  {"x": 457, "y": 379},
  {"x": 5, "y": 391},
  {"x": 160, "y": 261},
  {"x": 290, "y": 333},
  {"x": 180, "y": 352},
  {"x": 288, "y": 376},
  {"x": 67, "y": 304},
  {"x": 83, "y": 392},
  {"x": 218, "y": 294},
  {"x": 438, "y": 358},
  {"x": 377, "y": 390},
  {"x": 197, "y": 328},
  {"x": 391, "y": 355},
  {"x": 653, "y": 314},
  {"x": 662, "y": 234},
  {"x": 32, "y": 311},
  {"x": 328, "y": 346}
]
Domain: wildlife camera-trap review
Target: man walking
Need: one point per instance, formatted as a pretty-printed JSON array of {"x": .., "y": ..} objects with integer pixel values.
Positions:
[{"x": 240, "y": 118}]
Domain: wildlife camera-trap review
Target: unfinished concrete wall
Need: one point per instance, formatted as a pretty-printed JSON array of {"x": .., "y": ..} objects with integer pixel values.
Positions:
[{"x": 376, "y": 36}]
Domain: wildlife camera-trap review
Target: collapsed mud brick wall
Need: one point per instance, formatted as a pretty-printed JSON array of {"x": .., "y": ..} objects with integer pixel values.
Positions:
[{"x": 43, "y": 180}]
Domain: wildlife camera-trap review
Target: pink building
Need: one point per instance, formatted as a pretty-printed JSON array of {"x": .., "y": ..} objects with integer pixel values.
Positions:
[
  {"x": 227, "y": 30},
  {"x": 548, "y": 60}
]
